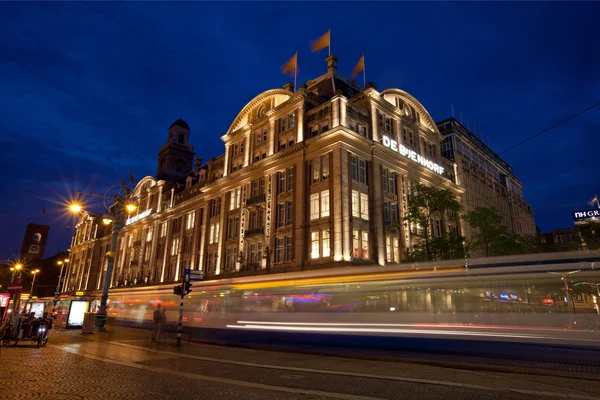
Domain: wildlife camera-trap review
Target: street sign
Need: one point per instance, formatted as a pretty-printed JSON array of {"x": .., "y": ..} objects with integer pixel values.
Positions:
[{"x": 15, "y": 287}]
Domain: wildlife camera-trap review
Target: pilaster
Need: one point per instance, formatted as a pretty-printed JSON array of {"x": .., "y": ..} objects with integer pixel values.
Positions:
[
  {"x": 377, "y": 215},
  {"x": 337, "y": 205},
  {"x": 300, "y": 123},
  {"x": 300, "y": 223},
  {"x": 271, "y": 139}
]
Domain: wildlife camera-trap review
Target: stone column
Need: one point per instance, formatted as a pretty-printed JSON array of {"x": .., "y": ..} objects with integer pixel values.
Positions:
[
  {"x": 269, "y": 204},
  {"x": 222, "y": 233},
  {"x": 343, "y": 108},
  {"x": 300, "y": 199},
  {"x": 271, "y": 137},
  {"x": 159, "y": 205},
  {"x": 154, "y": 245},
  {"x": 300, "y": 123},
  {"x": 247, "y": 149},
  {"x": 336, "y": 197},
  {"x": 374, "y": 122},
  {"x": 226, "y": 163},
  {"x": 335, "y": 112},
  {"x": 167, "y": 249},
  {"x": 203, "y": 234},
  {"x": 345, "y": 204},
  {"x": 377, "y": 199}
]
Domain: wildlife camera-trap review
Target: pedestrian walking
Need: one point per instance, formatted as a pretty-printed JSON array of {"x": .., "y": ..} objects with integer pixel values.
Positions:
[{"x": 158, "y": 323}]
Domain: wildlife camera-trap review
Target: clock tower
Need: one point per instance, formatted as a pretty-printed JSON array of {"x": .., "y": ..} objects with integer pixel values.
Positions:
[{"x": 175, "y": 157}]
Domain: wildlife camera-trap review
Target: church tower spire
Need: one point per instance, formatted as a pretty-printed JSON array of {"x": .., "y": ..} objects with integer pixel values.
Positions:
[{"x": 175, "y": 157}]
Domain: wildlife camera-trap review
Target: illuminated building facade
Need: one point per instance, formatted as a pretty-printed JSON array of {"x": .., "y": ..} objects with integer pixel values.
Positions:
[
  {"x": 487, "y": 180},
  {"x": 310, "y": 178}
]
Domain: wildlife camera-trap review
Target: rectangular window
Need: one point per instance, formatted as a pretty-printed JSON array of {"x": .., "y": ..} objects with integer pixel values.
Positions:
[
  {"x": 388, "y": 124},
  {"x": 325, "y": 203},
  {"x": 388, "y": 249},
  {"x": 258, "y": 252},
  {"x": 258, "y": 139},
  {"x": 392, "y": 183},
  {"x": 324, "y": 129},
  {"x": 384, "y": 179},
  {"x": 314, "y": 249},
  {"x": 291, "y": 120},
  {"x": 187, "y": 244},
  {"x": 356, "y": 243},
  {"x": 211, "y": 236},
  {"x": 281, "y": 185},
  {"x": 216, "y": 233},
  {"x": 355, "y": 204},
  {"x": 314, "y": 206},
  {"x": 364, "y": 206},
  {"x": 411, "y": 139},
  {"x": 283, "y": 125},
  {"x": 252, "y": 253},
  {"x": 315, "y": 170},
  {"x": 147, "y": 253},
  {"x": 190, "y": 220},
  {"x": 288, "y": 248},
  {"x": 362, "y": 171},
  {"x": 290, "y": 178},
  {"x": 174, "y": 246},
  {"x": 278, "y": 250},
  {"x": 404, "y": 136},
  {"x": 326, "y": 244},
  {"x": 365, "y": 244},
  {"x": 280, "y": 215},
  {"x": 289, "y": 213},
  {"x": 393, "y": 212},
  {"x": 325, "y": 167},
  {"x": 395, "y": 250},
  {"x": 362, "y": 130},
  {"x": 386, "y": 213},
  {"x": 149, "y": 234},
  {"x": 354, "y": 167}
]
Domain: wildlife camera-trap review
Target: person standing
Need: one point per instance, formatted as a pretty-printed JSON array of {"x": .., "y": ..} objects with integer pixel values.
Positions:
[{"x": 158, "y": 322}]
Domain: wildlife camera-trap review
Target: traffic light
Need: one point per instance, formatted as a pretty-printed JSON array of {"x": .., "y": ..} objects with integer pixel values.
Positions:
[
  {"x": 186, "y": 287},
  {"x": 177, "y": 290}
]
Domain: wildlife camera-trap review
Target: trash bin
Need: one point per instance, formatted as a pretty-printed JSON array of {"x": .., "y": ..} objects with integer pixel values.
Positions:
[{"x": 89, "y": 322}]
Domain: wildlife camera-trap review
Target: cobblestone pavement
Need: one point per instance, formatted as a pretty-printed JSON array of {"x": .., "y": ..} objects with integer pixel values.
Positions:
[{"x": 124, "y": 365}]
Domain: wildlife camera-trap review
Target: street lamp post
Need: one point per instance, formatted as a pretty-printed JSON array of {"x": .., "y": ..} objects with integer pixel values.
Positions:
[
  {"x": 35, "y": 272},
  {"x": 122, "y": 204},
  {"x": 58, "y": 285}
]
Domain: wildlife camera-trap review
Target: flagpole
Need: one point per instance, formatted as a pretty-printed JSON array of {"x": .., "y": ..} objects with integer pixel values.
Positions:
[
  {"x": 295, "y": 72},
  {"x": 364, "y": 73}
]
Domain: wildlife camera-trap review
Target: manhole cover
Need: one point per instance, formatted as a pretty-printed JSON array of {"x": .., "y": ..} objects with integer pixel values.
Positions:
[{"x": 293, "y": 376}]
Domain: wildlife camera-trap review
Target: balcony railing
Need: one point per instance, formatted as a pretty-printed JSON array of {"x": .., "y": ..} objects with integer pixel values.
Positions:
[
  {"x": 256, "y": 199},
  {"x": 417, "y": 231},
  {"x": 255, "y": 231}
]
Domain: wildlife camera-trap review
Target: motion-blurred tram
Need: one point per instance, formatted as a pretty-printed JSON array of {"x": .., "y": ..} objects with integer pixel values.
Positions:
[{"x": 544, "y": 290}]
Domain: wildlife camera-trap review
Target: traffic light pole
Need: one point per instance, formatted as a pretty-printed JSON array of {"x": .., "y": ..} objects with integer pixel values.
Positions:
[
  {"x": 182, "y": 290},
  {"x": 180, "y": 320}
]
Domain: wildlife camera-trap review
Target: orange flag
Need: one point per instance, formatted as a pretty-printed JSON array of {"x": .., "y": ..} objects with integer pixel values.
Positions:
[
  {"x": 322, "y": 42},
  {"x": 290, "y": 66},
  {"x": 360, "y": 66}
]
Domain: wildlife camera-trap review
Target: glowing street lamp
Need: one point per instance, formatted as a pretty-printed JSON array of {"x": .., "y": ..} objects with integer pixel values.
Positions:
[
  {"x": 122, "y": 204},
  {"x": 35, "y": 272},
  {"x": 76, "y": 206},
  {"x": 62, "y": 264}
]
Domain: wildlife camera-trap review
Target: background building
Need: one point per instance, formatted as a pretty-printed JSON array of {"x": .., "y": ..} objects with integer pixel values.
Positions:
[{"x": 488, "y": 181}]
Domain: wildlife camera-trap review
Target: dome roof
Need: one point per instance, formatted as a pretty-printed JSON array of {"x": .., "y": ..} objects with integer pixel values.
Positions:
[{"x": 180, "y": 123}]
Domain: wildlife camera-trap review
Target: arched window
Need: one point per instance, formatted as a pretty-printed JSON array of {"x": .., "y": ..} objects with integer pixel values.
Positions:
[{"x": 180, "y": 138}]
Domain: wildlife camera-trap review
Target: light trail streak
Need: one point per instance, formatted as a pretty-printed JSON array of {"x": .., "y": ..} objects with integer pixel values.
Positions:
[{"x": 309, "y": 328}]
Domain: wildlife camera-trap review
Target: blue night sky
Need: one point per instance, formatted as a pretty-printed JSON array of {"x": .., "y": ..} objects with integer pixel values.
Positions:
[{"x": 85, "y": 100}]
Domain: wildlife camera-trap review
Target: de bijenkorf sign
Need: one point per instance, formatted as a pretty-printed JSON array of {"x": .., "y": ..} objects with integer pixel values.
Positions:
[{"x": 586, "y": 214}]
